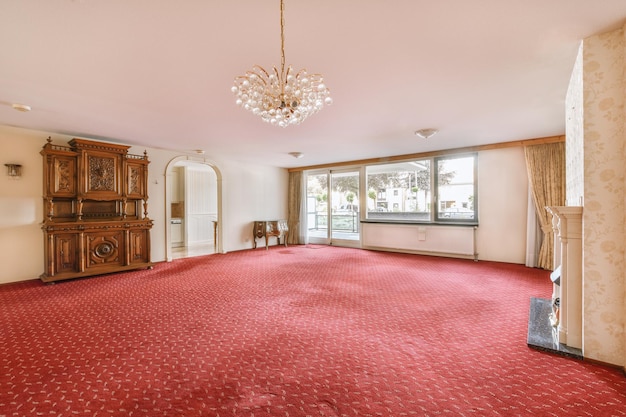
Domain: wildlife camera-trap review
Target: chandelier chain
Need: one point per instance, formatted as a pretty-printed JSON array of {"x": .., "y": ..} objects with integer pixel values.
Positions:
[{"x": 282, "y": 40}]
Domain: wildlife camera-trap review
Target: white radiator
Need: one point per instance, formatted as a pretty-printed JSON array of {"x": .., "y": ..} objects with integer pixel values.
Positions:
[{"x": 445, "y": 240}]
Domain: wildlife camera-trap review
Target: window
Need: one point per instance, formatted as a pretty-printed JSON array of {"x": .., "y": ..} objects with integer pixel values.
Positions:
[
  {"x": 406, "y": 191},
  {"x": 455, "y": 186}
]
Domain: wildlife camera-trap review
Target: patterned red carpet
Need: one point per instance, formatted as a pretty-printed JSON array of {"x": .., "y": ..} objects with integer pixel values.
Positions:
[{"x": 298, "y": 331}]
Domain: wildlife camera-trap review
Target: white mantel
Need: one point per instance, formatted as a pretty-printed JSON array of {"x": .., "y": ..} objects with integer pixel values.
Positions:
[{"x": 567, "y": 227}]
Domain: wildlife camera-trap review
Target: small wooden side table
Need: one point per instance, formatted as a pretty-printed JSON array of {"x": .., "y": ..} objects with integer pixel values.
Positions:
[{"x": 269, "y": 228}]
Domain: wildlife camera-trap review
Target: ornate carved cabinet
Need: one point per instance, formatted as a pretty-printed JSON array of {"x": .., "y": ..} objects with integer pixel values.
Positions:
[{"x": 96, "y": 210}]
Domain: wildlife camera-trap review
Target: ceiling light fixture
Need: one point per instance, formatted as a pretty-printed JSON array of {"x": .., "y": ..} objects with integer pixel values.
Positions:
[
  {"x": 21, "y": 107},
  {"x": 425, "y": 133},
  {"x": 296, "y": 155},
  {"x": 281, "y": 98}
]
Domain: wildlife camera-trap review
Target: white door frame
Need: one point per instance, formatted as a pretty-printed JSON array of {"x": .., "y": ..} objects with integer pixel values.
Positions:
[{"x": 219, "y": 247}]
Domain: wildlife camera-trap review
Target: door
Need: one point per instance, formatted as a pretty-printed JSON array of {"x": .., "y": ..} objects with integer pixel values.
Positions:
[{"x": 333, "y": 214}]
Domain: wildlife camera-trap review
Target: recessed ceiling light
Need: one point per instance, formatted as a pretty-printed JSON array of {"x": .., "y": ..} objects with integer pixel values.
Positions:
[
  {"x": 296, "y": 155},
  {"x": 21, "y": 107},
  {"x": 425, "y": 133}
]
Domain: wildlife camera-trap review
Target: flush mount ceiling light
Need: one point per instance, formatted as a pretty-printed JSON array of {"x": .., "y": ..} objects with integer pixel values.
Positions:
[
  {"x": 425, "y": 133},
  {"x": 296, "y": 155},
  {"x": 21, "y": 107},
  {"x": 284, "y": 97}
]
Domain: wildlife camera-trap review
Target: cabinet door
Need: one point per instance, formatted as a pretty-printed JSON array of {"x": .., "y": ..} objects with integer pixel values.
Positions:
[
  {"x": 102, "y": 179},
  {"x": 139, "y": 246},
  {"x": 104, "y": 249},
  {"x": 136, "y": 179},
  {"x": 65, "y": 253},
  {"x": 61, "y": 176}
]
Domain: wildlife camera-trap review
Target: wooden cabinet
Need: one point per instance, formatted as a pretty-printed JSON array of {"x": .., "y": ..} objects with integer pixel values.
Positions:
[{"x": 96, "y": 210}]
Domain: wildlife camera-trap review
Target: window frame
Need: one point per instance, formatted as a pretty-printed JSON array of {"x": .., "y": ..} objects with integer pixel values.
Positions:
[{"x": 435, "y": 214}]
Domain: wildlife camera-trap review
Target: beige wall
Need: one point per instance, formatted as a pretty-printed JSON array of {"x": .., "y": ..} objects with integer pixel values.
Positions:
[
  {"x": 596, "y": 168},
  {"x": 250, "y": 192},
  {"x": 21, "y": 206},
  {"x": 574, "y": 147},
  {"x": 502, "y": 205}
]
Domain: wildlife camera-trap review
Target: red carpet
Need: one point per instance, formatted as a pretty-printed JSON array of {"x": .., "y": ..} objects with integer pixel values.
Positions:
[{"x": 295, "y": 331}]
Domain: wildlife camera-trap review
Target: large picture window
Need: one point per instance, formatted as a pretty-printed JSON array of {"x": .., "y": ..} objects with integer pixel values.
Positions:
[{"x": 441, "y": 189}]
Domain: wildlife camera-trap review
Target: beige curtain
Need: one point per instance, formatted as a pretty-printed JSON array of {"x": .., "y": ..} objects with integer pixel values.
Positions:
[
  {"x": 294, "y": 204},
  {"x": 545, "y": 165}
]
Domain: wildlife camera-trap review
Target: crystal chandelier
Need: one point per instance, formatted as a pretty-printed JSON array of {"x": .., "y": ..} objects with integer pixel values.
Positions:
[{"x": 283, "y": 97}]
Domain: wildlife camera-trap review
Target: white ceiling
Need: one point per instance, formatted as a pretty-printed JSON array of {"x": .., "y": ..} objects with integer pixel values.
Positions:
[{"x": 158, "y": 73}]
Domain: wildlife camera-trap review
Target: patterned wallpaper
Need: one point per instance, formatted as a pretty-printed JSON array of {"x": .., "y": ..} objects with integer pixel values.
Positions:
[
  {"x": 574, "y": 154},
  {"x": 600, "y": 129}
]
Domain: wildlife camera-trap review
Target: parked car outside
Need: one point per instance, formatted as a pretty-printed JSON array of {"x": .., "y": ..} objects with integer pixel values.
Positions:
[
  {"x": 458, "y": 213},
  {"x": 348, "y": 208}
]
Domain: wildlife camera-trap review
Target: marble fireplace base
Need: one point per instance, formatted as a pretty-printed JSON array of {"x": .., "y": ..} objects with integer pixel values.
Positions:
[{"x": 541, "y": 333}]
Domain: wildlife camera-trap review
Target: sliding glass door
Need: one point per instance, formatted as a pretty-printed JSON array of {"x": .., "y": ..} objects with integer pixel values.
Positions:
[
  {"x": 333, "y": 215},
  {"x": 344, "y": 213},
  {"x": 317, "y": 208}
]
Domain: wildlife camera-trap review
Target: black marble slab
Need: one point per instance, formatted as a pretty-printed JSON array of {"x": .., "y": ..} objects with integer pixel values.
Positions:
[{"x": 541, "y": 334}]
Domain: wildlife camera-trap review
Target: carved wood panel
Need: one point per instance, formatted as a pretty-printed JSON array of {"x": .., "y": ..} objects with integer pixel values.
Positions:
[
  {"x": 136, "y": 180},
  {"x": 66, "y": 253},
  {"x": 103, "y": 248},
  {"x": 64, "y": 175},
  {"x": 102, "y": 175},
  {"x": 139, "y": 247}
]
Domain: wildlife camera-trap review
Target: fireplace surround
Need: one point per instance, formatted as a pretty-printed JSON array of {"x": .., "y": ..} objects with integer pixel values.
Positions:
[{"x": 556, "y": 324}]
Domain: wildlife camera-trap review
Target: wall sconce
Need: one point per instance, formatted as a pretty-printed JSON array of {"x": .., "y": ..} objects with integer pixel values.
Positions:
[{"x": 14, "y": 171}]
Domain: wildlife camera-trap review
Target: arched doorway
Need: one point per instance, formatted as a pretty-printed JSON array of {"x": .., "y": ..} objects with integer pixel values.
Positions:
[{"x": 193, "y": 207}]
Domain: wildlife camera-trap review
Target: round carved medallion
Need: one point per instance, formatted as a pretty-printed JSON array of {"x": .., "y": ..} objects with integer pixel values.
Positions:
[{"x": 104, "y": 250}]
